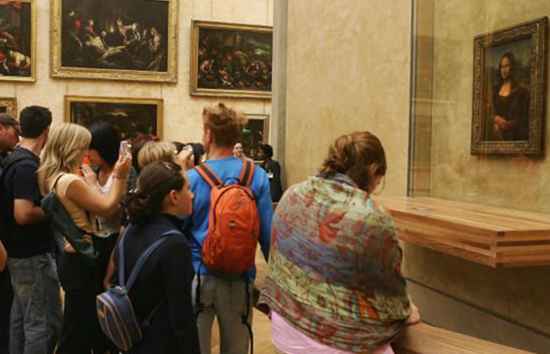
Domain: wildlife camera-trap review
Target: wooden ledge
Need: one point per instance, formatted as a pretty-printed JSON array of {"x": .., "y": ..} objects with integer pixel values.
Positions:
[
  {"x": 425, "y": 339},
  {"x": 495, "y": 237}
]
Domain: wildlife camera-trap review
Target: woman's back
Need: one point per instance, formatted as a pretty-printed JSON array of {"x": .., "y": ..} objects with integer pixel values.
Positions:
[
  {"x": 335, "y": 266},
  {"x": 162, "y": 288}
]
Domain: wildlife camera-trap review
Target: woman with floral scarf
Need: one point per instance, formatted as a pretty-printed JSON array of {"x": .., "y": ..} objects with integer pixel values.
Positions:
[{"x": 335, "y": 284}]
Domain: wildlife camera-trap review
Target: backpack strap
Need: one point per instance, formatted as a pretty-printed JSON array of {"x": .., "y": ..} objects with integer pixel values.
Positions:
[
  {"x": 208, "y": 175},
  {"x": 9, "y": 161},
  {"x": 142, "y": 259},
  {"x": 247, "y": 173}
]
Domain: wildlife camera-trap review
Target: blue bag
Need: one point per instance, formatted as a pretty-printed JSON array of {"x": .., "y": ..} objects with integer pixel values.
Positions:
[{"x": 115, "y": 311}]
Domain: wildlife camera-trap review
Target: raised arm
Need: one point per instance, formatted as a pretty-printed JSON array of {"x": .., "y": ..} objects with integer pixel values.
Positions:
[{"x": 90, "y": 199}]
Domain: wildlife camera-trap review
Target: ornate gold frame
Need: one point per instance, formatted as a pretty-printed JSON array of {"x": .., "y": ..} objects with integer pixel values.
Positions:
[
  {"x": 125, "y": 100},
  {"x": 11, "y": 105},
  {"x": 31, "y": 78},
  {"x": 537, "y": 30},
  {"x": 195, "y": 90},
  {"x": 58, "y": 71}
]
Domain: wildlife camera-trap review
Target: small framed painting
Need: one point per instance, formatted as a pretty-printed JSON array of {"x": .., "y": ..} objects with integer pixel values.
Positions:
[
  {"x": 231, "y": 60},
  {"x": 509, "y": 92},
  {"x": 133, "y": 117}
]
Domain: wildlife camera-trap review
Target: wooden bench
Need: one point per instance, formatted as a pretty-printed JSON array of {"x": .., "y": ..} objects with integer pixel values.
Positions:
[
  {"x": 425, "y": 339},
  {"x": 495, "y": 237}
]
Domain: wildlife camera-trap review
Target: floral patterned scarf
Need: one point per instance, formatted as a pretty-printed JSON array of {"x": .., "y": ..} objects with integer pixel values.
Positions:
[{"x": 335, "y": 266}]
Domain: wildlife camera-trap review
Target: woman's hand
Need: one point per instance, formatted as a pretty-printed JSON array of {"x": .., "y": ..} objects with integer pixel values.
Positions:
[
  {"x": 122, "y": 166},
  {"x": 185, "y": 158},
  {"x": 89, "y": 175},
  {"x": 414, "y": 317}
]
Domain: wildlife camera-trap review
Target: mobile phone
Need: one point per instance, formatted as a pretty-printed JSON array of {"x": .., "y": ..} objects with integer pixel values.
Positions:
[{"x": 125, "y": 148}]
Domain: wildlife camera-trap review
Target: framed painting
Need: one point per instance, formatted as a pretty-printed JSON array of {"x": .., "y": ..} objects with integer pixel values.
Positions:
[
  {"x": 132, "y": 41},
  {"x": 18, "y": 40},
  {"x": 254, "y": 134},
  {"x": 509, "y": 91},
  {"x": 8, "y": 105},
  {"x": 231, "y": 60},
  {"x": 133, "y": 117}
]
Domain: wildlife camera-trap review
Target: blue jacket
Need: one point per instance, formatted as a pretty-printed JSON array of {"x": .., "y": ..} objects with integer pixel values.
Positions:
[{"x": 228, "y": 170}]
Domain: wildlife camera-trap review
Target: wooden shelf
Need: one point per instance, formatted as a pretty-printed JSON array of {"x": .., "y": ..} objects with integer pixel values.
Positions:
[{"x": 495, "y": 237}]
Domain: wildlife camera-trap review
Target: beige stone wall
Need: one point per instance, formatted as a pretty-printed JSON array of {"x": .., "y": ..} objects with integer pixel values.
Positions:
[
  {"x": 347, "y": 69},
  {"x": 182, "y": 112}
]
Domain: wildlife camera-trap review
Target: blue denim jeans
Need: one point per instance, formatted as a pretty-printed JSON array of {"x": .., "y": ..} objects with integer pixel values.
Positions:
[
  {"x": 36, "y": 310},
  {"x": 226, "y": 301}
]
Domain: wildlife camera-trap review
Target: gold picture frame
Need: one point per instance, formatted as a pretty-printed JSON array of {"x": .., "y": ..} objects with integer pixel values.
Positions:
[
  {"x": 21, "y": 57},
  {"x": 9, "y": 105},
  {"x": 85, "y": 71},
  {"x": 249, "y": 68},
  {"x": 122, "y": 112},
  {"x": 509, "y": 91}
]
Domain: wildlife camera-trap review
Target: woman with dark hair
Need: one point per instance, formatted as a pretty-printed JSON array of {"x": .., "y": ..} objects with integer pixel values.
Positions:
[
  {"x": 273, "y": 170},
  {"x": 510, "y": 103},
  {"x": 335, "y": 283},
  {"x": 162, "y": 290}
]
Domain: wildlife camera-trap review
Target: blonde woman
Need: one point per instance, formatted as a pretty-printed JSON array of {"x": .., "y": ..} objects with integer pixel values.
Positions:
[
  {"x": 59, "y": 171},
  {"x": 164, "y": 151}
]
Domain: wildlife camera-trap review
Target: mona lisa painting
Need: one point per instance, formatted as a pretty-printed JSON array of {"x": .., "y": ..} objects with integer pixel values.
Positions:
[{"x": 510, "y": 90}]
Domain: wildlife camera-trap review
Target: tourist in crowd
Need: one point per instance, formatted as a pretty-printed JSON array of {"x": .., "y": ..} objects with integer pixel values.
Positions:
[
  {"x": 36, "y": 309},
  {"x": 227, "y": 298},
  {"x": 238, "y": 151},
  {"x": 335, "y": 282},
  {"x": 9, "y": 137},
  {"x": 9, "y": 134},
  {"x": 80, "y": 276},
  {"x": 198, "y": 153},
  {"x": 273, "y": 170},
  {"x": 164, "y": 151},
  {"x": 162, "y": 290}
]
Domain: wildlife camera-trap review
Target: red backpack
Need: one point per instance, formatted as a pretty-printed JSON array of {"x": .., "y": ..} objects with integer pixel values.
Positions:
[{"x": 233, "y": 222}]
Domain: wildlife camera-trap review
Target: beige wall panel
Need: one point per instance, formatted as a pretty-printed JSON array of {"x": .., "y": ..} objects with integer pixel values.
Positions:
[
  {"x": 241, "y": 11},
  {"x": 347, "y": 70},
  {"x": 182, "y": 113}
]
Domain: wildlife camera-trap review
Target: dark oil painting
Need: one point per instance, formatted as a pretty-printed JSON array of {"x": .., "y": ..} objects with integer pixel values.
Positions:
[
  {"x": 232, "y": 59},
  {"x": 254, "y": 134},
  {"x": 15, "y": 39},
  {"x": 115, "y": 34},
  {"x": 132, "y": 120},
  {"x": 509, "y": 90},
  {"x": 508, "y": 81}
]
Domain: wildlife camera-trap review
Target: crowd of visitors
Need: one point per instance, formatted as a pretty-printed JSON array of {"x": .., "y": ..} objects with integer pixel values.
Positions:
[{"x": 167, "y": 243}]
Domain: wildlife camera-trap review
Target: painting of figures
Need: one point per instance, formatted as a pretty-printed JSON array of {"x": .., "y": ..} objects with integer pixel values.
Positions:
[
  {"x": 231, "y": 60},
  {"x": 17, "y": 41},
  {"x": 132, "y": 117},
  {"x": 126, "y": 39}
]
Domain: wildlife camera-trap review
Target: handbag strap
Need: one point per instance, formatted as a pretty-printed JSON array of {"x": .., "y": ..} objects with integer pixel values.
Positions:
[{"x": 141, "y": 260}]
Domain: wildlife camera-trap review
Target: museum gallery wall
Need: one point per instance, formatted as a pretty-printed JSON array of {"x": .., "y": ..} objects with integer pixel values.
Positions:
[{"x": 88, "y": 59}]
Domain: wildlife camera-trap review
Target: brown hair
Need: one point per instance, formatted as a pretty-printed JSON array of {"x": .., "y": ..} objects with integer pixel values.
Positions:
[
  {"x": 155, "y": 181},
  {"x": 224, "y": 123},
  {"x": 358, "y": 155}
]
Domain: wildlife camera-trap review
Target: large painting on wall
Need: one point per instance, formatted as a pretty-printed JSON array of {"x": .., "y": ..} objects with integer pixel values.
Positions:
[
  {"x": 8, "y": 105},
  {"x": 17, "y": 40},
  {"x": 131, "y": 40},
  {"x": 231, "y": 60},
  {"x": 133, "y": 117},
  {"x": 510, "y": 90}
]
